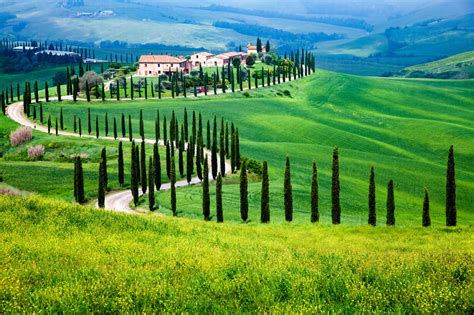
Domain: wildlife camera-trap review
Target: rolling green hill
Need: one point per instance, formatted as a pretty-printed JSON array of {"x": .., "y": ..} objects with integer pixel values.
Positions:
[
  {"x": 57, "y": 257},
  {"x": 460, "y": 66},
  {"x": 403, "y": 127}
]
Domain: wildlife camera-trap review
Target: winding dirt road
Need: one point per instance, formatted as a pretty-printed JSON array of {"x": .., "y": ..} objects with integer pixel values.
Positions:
[{"x": 118, "y": 201}]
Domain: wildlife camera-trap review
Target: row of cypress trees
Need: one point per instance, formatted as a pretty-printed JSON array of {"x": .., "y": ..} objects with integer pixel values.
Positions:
[{"x": 451, "y": 216}]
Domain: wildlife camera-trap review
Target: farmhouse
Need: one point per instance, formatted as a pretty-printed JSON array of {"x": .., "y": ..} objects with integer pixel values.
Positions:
[
  {"x": 153, "y": 65},
  {"x": 253, "y": 50},
  {"x": 201, "y": 59},
  {"x": 226, "y": 58}
]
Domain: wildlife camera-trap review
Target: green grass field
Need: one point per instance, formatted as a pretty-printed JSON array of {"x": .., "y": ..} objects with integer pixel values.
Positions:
[
  {"x": 402, "y": 127},
  {"x": 57, "y": 257}
]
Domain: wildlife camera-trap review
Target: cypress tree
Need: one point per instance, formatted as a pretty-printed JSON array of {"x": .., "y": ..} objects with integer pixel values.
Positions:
[
  {"x": 214, "y": 150},
  {"x": 222, "y": 155},
  {"x": 208, "y": 143},
  {"x": 36, "y": 92},
  {"x": 173, "y": 187},
  {"x": 168, "y": 159},
  {"x": 89, "y": 126},
  {"x": 314, "y": 195},
  {"x": 146, "y": 89},
  {"x": 115, "y": 128},
  {"x": 372, "y": 207},
  {"x": 142, "y": 129},
  {"x": 156, "y": 160},
  {"x": 189, "y": 164},
  {"x": 80, "y": 127},
  {"x": 41, "y": 113},
  {"x": 237, "y": 149},
  {"x": 265, "y": 201},
  {"x": 34, "y": 112},
  {"x": 131, "y": 89},
  {"x": 157, "y": 128},
  {"x": 244, "y": 203},
  {"x": 117, "y": 92},
  {"x": 102, "y": 188},
  {"x": 335, "y": 189},
  {"x": 49, "y": 124},
  {"x": 103, "y": 92},
  {"x": 194, "y": 135},
  {"x": 426, "y": 210},
  {"x": 451, "y": 219},
  {"x": 75, "y": 124},
  {"x": 134, "y": 175},
  {"x": 185, "y": 122},
  {"x": 106, "y": 124},
  {"x": 199, "y": 158},
  {"x": 143, "y": 167},
  {"x": 165, "y": 132},
  {"x": 390, "y": 204},
  {"x": 46, "y": 91},
  {"x": 227, "y": 153},
  {"x": 288, "y": 194},
  {"x": 151, "y": 185},
  {"x": 130, "y": 130},
  {"x": 97, "y": 127},
  {"x": 121, "y": 174},
  {"x": 56, "y": 126},
  {"x": 61, "y": 119},
  {"x": 180, "y": 159},
  {"x": 3, "y": 104},
  {"x": 123, "y": 126},
  {"x": 79, "y": 180},
  {"x": 104, "y": 158},
  {"x": 219, "y": 212},
  {"x": 88, "y": 93},
  {"x": 206, "y": 210}
]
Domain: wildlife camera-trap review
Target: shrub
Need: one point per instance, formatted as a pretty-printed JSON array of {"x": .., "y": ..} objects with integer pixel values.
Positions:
[
  {"x": 253, "y": 166},
  {"x": 20, "y": 135},
  {"x": 246, "y": 94},
  {"x": 1, "y": 177},
  {"x": 287, "y": 93},
  {"x": 36, "y": 152}
]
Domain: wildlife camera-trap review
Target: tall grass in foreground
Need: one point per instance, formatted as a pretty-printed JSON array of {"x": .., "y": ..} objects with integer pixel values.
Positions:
[{"x": 57, "y": 257}]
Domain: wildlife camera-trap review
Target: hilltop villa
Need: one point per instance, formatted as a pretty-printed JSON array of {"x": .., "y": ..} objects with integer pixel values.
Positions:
[
  {"x": 201, "y": 59},
  {"x": 253, "y": 49},
  {"x": 153, "y": 65}
]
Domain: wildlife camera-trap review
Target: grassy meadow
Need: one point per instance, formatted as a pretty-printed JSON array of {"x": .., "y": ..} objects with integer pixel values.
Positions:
[
  {"x": 58, "y": 257},
  {"x": 402, "y": 127}
]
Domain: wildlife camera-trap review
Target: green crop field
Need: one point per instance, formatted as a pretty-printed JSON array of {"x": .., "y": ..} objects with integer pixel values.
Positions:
[
  {"x": 402, "y": 127},
  {"x": 57, "y": 257}
]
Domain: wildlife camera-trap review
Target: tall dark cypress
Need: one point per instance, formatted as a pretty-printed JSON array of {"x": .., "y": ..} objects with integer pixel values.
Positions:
[
  {"x": 151, "y": 185},
  {"x": 157, "y": 127},
  {"x": 41, "y": 112},
  {"x": 102, "y": 185},
  {"x": 143, "y": 167},
  {"x": 142, "y": 129},
  {"x": 89, "y": 125},
  {"x": 372, "y": 205},
  {"x": 61, "y": 119},
  {"x": 451, "y": 216},
  {"x": 426, "y": 222},
  {"x": 232, "y": 148},
  {"x": 206, "y": 202},
  {"x": 335, "y": 189},
  {"x": 227, "y": 153},
  {"x": 194, "y": 129},
  {"x": 130, "y": 130},
  {"x": 288, "y": 192},
  {"x": 265, "y": 198},
  {"x": 214, "y": 150},
  {"x": 79, "y": 180},
  {"x": 222, "y": 154},
  {"x": 121, "y": 173},
  {"x": 168, "y": 159},
  {"x": 186, "y": 124},
  {"x": 115, "y": 128},
  {"x": 390, "y": 204},
  {"x": 49, "y": 124},
  {"x": 46, "y": 91},
  {"x": 104, "y": 160},
  {"x": 97, "y": 127},
  {"x": 189, "y": 164},
  {"x": 165, "y": 127},
  {"x": 244, "y": 202},
  {"x": 88, "y": 93},
  {"x": 156, "y": 160},
  {"x": 199, "y": 158},
  {"x": 237, "y": 149},
  {"x": 124, "y": 132},
  {"x": 219, "y": 210},
  {"x": 173, "y": 187},
  {"x": 56, "y": 126},
  {"x": 80, "y": 127},
  {"x": 208, "y": 142},
  {"x": 134, "y": 175},
  {"x": 180, "y": 159},
  {"x": 314, "y": 195}
]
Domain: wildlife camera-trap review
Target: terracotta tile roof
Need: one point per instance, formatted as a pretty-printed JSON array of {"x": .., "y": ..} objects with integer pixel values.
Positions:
[
  {"x": 160, "y": 59},
  {"x": 230, "y": 55},
  {"x": 204, "y": 53}
]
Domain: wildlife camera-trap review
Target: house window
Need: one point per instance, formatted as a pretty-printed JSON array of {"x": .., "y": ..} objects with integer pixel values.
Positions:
[
  {"x": 146, "y": 65},
  {"x": 149, "y": 72},
  {"x": 159, "y": 65}
]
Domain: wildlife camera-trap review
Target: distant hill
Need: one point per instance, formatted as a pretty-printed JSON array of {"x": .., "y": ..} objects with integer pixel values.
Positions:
[{"x": 460, "y": 66}]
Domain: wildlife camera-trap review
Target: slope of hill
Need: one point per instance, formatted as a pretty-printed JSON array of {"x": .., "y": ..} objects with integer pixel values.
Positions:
[
  {"x": 57, "y": 257},
  {"x": 460, "y": 66},
  {"x": 403, "y": 127}
]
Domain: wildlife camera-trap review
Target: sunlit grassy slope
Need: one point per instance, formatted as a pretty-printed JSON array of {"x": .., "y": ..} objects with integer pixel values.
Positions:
[
  {"x": 402, "y": 127},
  {"x": 56, "y": 257}
]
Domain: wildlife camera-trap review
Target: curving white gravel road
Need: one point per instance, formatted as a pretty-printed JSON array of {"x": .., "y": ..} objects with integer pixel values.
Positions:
[{"x": 118, "y": 201}]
